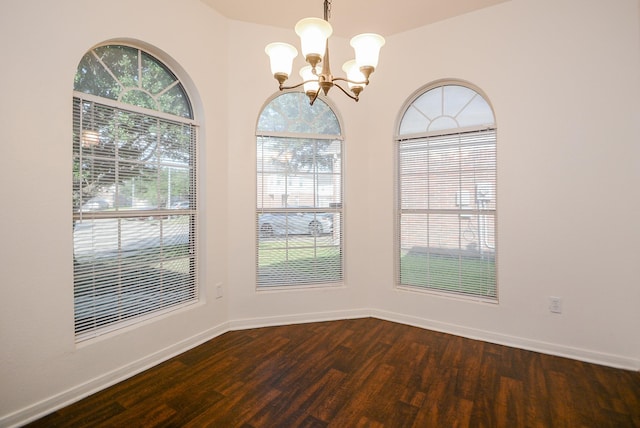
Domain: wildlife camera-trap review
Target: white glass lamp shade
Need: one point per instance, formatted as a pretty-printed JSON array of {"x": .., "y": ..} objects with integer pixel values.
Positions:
[
  {"x": 281, "y": 56},
  {"x": 354, "y": 74},
  {"x": 367, "y": 47},
  {"x": 307, "y": 75},
  {"x": 313, "y": 33}
]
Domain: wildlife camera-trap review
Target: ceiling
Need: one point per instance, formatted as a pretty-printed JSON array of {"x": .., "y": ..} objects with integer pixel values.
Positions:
[{"x": 350, "y": 17}]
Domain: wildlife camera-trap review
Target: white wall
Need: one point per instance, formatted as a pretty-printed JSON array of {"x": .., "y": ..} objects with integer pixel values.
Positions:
[
  {"x": 562, "y": 76},
  {"x": 42, "y": 43}
]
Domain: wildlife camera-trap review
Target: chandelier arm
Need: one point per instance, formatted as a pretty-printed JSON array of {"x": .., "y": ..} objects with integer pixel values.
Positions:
[
  {"x": 314, "y": 98},
  {"x": 296, "y": 86},
  {"x": 355, "y": 98},
  {"x": 365, "y": 83}
]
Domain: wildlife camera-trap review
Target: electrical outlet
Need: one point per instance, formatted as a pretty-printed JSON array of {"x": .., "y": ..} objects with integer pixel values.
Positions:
[
  {"x": 555, "y": 305},
  {"x": 219, "y": 290}
]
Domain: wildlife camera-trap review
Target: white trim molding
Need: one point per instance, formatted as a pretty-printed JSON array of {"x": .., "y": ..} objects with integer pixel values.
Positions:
[
  {"x": 247, "y": 323},
  {"x": 586, "y": 355}
]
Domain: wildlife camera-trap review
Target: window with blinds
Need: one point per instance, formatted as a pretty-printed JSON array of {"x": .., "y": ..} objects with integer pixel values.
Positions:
[
  {"x": 134, "y": 191},
  {"x": 299, "y": 193},
  {"x": 446, "y": 188}
]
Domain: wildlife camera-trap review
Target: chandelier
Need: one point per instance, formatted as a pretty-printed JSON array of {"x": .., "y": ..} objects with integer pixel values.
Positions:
[{"x": 314, "y": 39}]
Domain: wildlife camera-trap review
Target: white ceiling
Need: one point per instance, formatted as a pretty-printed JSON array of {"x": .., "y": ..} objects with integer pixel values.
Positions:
[{"x": 350, "y": 17}]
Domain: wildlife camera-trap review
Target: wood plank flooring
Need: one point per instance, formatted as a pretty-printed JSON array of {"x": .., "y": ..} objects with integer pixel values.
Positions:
[{"x": 360, "y": 373}]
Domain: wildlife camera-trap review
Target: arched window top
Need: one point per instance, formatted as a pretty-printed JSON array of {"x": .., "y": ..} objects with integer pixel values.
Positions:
[
  {"x": 290, "y": 112},
  {"x": 449, "y": 107},
  {"x": 132, "y": 76}
]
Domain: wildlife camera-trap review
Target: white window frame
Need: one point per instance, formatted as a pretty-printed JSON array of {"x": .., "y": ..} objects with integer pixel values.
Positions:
[
  {"x": 437, "y": 209},
  {"x": 114, "y": 239}
]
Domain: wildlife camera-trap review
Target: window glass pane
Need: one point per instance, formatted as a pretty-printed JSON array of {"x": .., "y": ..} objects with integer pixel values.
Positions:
[
  {"x": 445, "y": 265},
  {"x": 444, "y": 181},
  {"x": 430, "y": 104},
  {"x": 133, "y": 77},
  {"x": 122, "y": 61},
  {"x": 175, "y": 101},
  {"x": 444, "y": 108},
  {"x": 414, "y": 174},
  {"x": 93, "y": 78},
  {"x": 477, "y": 112},
  {"x": 455, "y": 99},
  {"x": 413, "y": 122},
  {"x": 291, "y": 112},
  {"x": 155, "y": 77},
  {"x": 129, "y": 267},
  {"x": 298, "y": 172}
]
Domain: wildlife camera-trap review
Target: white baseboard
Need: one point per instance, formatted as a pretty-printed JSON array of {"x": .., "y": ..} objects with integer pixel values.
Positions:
[
  {"x": 78, "y": 392},
  {"x": 542, "y": 347},
  {"x": 244, "y": 324}
]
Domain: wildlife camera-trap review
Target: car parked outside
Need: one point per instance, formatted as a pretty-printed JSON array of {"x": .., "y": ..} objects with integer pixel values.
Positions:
[
  {"x": 180, "y": 205},
  {"x": 294, "y": 223},
  {"x": 96, "y": 204}
]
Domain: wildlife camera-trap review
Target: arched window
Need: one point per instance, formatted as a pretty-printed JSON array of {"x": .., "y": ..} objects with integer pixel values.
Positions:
[
  {"x": 446, "y": 188},
  {"x": 299, "y": 193},
  {"x": 134, "y": 190}
]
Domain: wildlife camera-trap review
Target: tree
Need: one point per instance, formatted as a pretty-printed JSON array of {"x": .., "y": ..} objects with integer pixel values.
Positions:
[{"x": 115, "y": 147}]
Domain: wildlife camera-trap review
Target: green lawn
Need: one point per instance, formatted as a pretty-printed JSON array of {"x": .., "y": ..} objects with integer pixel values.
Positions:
[
  {"x": 298, "y": 261},
  {"x": 459, "y": 274}
]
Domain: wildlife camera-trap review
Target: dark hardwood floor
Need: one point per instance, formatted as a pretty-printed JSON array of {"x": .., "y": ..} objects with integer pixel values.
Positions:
[{"x": 361, "y": 373}]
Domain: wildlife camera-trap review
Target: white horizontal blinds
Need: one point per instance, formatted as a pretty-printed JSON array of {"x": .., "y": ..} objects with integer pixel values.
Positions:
[
  {"x": 447, "y": 214},
  {"x": 447, "y": 195},
  {"x": 299, "y": 195},
  {"x": 134, "y": 216}
]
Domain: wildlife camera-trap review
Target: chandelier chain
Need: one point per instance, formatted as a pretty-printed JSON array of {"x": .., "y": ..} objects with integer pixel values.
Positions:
[{"x": 327, "y": 10}]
